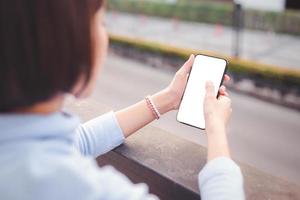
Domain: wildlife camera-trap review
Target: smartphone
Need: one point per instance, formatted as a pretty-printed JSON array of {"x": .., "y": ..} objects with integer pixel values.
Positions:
[{"x": 205, "y": 68}]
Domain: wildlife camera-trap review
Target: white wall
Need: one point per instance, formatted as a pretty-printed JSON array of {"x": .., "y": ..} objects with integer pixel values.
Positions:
[{"x": 272, "y": 5}]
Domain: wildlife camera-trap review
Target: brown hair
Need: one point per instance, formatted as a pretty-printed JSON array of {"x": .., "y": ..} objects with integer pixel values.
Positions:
[{"x": 45, "y": 47}]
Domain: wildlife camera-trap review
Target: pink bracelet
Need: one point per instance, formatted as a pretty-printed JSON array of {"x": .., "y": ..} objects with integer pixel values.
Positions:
[{"x": 152, "y": 107}]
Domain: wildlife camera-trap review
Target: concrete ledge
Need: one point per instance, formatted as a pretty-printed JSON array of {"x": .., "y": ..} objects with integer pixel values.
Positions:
[
  {"x": 170, "y": 165},
  {"x": 160, "y": 160}
]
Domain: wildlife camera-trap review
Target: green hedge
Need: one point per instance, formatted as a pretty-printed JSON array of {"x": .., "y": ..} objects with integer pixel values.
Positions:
[
  {"x": 204, "y": 12},
  {"x": 273, "y": 76},
  {"x": 212, "y": 12}
]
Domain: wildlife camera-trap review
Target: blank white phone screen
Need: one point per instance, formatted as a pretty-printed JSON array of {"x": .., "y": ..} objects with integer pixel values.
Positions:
[{"x": 204, "y": 69}]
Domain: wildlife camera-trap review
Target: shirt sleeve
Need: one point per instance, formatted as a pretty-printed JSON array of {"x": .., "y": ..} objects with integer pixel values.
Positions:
[
  {"x": 126, "y": 189},
  {"x": 99, "y": 135},
  {"x": 221, "y": 178}
]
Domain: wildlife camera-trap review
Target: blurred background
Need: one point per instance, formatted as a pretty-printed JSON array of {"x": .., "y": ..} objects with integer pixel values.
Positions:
[{"x": 150, "y": 39}]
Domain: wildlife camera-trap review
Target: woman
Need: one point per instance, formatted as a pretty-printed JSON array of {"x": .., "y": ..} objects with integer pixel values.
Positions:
[{"x": 50, "y": 48}]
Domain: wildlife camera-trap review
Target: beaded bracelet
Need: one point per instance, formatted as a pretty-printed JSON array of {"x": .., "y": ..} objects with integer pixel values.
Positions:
[{"x": 152, "y": 107}]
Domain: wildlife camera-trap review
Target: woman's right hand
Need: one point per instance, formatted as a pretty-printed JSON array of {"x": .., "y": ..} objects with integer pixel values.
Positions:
[{"x": 217, "y": 111}]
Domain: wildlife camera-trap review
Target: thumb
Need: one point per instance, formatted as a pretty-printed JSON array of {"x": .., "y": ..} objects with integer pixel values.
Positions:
[
  {"x": 186, "y": 68},
  {"x": 210, "y": 90},
  {"x": 190, "y": 60}
]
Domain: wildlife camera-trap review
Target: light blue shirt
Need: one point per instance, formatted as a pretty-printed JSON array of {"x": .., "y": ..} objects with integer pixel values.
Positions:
[{"x": 52, "y": 157}]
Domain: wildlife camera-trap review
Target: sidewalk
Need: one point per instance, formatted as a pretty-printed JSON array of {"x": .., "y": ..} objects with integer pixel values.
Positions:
[{"x": 276, "y": 49}]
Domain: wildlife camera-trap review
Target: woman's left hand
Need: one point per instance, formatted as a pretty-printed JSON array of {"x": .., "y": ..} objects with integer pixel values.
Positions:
[{"x": 176, "y": 88}]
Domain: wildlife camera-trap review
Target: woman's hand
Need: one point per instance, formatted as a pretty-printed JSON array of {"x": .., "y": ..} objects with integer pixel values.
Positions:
[
  {"x": 173, "y": 93},
  {"x": 217, "y": 111}
]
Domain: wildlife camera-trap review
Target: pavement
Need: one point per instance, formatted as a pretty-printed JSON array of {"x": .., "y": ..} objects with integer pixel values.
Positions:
[
  {"x": 265, "y": 47},
  {"x": 261, "y": 134}
]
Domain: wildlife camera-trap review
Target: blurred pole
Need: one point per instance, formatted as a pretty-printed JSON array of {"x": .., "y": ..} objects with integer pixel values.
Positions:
[
  {"x": 142, "y": 17},
  {"x": 238, "y": 21},
  {"x": 175, "y": 21},
  {"x": 218, "y": 30}
]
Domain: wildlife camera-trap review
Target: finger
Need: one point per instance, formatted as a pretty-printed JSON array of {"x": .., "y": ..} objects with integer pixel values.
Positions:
[
  {"x": 210, "y": 89},
  {"x": 186, "y": 68},
  {"x": 222, "y": 90},
  {"x": 226, "y": 78},
  {"x": 224, "y": 93}
]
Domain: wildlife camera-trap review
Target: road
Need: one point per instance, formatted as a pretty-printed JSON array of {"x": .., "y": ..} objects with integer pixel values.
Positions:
[
  {"x": 261, "y": 134},
  {"x": 266, "y": 47}
]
